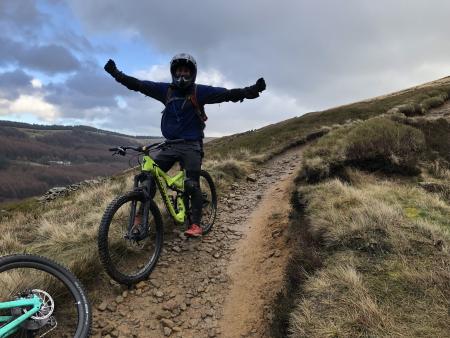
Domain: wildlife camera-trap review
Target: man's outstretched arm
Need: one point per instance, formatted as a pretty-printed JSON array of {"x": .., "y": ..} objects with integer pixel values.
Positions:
[
  {"x": 128, "y": 81},
  {"x": 149, "y": 88},
  {"x": 235, "y": 95}
]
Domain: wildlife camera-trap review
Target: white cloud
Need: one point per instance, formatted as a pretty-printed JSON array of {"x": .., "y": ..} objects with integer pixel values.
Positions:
[
  {"x": 156, "y": 73},
  {"x": 214, "y": 77},
  {"x": 36, "y": 83},
  {"x": 229, "y": 118},
  {"x": 161, "y": 73},
  {"x": 28, "y": 104}
]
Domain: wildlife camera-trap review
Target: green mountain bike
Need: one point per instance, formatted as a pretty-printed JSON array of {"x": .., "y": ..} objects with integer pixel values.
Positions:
[
  {"x": 130, "y": 252},
  {"x": 39, "y": 297}
]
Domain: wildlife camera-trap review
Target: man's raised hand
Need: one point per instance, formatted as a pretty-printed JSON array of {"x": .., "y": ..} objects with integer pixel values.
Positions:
[
  {"x": 110, "y": 67},
  {"x": 260, "y": 84}
]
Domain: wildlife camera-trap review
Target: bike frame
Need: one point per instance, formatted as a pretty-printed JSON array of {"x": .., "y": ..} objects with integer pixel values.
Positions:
[
  {"x": 35, "y": 302},
  {"x": 175, "y": 183}
]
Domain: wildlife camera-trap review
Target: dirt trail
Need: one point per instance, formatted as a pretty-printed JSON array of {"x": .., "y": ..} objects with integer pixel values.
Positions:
[
  {"x": 440, "y": 112},
  {"x": 256, "y": 267},
  {"x": 221, "y": 285}
]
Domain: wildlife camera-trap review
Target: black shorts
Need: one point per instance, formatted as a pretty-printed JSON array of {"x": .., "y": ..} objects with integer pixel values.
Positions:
[{"x": 188, "y": 153}]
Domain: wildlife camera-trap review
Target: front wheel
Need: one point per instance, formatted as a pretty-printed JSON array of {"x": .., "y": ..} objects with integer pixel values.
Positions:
[
  {"x": 65, "y": 310},
  {"x": 209, "y": 198},
  {"x": 129, "y": 257}
]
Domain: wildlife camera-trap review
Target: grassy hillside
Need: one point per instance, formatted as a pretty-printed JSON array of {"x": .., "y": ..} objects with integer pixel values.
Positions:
[{"x": 372, "y": 229}]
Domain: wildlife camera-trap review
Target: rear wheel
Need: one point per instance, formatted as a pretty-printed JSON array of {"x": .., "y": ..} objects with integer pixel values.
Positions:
[
  {"x": 129, "y": 260},
  {"x": 209, "y": 197},
  {"x": 65, "y": 311}
]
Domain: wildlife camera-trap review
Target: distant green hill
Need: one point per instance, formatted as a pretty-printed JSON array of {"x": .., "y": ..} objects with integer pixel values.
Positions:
[
  {"x": 34, "y": 126},
  {"x": 34, "y": 158}
]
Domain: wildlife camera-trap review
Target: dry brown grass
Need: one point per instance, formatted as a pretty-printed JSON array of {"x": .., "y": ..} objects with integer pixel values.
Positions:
[
  {"x": 342, "y": 287},
  {"x": 375, "y": 144},
  {"x": 65, "y": 229},
  {"x": 386, "y": 262}
]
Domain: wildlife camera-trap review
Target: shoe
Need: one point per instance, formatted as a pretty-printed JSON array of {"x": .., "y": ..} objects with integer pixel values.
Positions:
[
  {"x": 194, "y": 231},
  {"x": 137, "y": 225},
  {"x": 137, "y": 220}
]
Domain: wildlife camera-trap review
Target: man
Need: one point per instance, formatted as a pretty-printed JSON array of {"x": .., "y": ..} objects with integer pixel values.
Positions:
[{"x": 184, "y": 118}]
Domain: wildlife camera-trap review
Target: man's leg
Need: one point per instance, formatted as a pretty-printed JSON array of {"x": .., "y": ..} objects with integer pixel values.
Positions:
[{"x": 192, "y": 160}]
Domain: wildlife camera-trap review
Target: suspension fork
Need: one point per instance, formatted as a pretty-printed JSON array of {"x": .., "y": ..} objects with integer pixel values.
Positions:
[{"x": 145, "y": 204}]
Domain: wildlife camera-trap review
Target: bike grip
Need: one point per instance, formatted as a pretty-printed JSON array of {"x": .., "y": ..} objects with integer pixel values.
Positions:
[{"x": 113, "y": 149}]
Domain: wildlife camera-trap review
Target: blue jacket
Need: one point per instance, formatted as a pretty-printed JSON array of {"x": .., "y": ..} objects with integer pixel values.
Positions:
[{"x": 180, "y": 119}]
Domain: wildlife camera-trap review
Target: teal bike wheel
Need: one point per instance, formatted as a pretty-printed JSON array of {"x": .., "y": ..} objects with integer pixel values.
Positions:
[{"x": 65, "y": 309}]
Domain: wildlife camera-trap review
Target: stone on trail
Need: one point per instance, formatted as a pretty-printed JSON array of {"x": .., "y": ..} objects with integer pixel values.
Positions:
[
  {"x": 112, "y": 307},
  {"x": 251, "y": 178},
  {"x": 102, "y": 306},
  {"x": 158, "y": 293},
  {"x": 167, "y": 323},
  {"x": 170, "y": 305},
  {"x": 124, "y": 330},
  {"x": 141, "y": 285}
]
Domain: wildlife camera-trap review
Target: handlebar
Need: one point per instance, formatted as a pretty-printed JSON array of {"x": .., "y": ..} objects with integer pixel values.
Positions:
[{"x": 122, "y": 150}]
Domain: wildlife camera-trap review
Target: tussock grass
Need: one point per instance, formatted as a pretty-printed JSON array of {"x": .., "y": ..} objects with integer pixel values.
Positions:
[
  {"x": 375, "y": 144},
  {"x": 356, "y": 310},
  {"x": 65, "y": 230},
  {"x": 439, "y": 169},
  {"x": 421, "y": 103},
  {"x": 229, "y": 168},
  {"x": 386, "y": 261},
  {"x": 411, "y": 109},
  {"x": 436, "y": 134}
]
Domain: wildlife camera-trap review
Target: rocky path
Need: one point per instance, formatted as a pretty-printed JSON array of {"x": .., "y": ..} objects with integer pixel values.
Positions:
[
  {"x": 440, "y": 112},
  {"x": 221, "y": 285}
]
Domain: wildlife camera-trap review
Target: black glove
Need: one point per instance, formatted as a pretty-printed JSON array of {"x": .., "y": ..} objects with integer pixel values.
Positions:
[
  {"x": 110, "y": 67},
  {"x": 252, "y": 92},
  {"x": 260, "y": 84}
]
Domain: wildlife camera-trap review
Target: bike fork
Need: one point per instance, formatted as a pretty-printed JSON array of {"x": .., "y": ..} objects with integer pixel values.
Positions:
[{"x": 131, "y": 233}]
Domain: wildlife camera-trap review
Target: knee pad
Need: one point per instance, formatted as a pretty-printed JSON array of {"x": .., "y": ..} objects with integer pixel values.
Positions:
[{"x": 191, "y": 185}]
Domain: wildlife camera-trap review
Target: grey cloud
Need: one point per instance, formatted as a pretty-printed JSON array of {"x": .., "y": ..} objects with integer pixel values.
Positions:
[
  {"x": 142, "y": 116},
  {"x": 88, "y": 88},
  {"x": 9, "y": 51},
  {"x": 301, "y": 47},
  {"x": 50, "y": 58},
  {"x": 21, "y": 18},
  {"x": 13, "y": 83},
  {"x": 31, "y": 38}
]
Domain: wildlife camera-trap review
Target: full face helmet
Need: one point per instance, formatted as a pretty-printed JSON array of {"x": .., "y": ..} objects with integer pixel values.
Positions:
[{"x": 183, "y": 59}]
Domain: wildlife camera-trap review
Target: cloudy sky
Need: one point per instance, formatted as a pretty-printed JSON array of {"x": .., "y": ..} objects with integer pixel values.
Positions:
[{"x": 313, "y": 55}]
